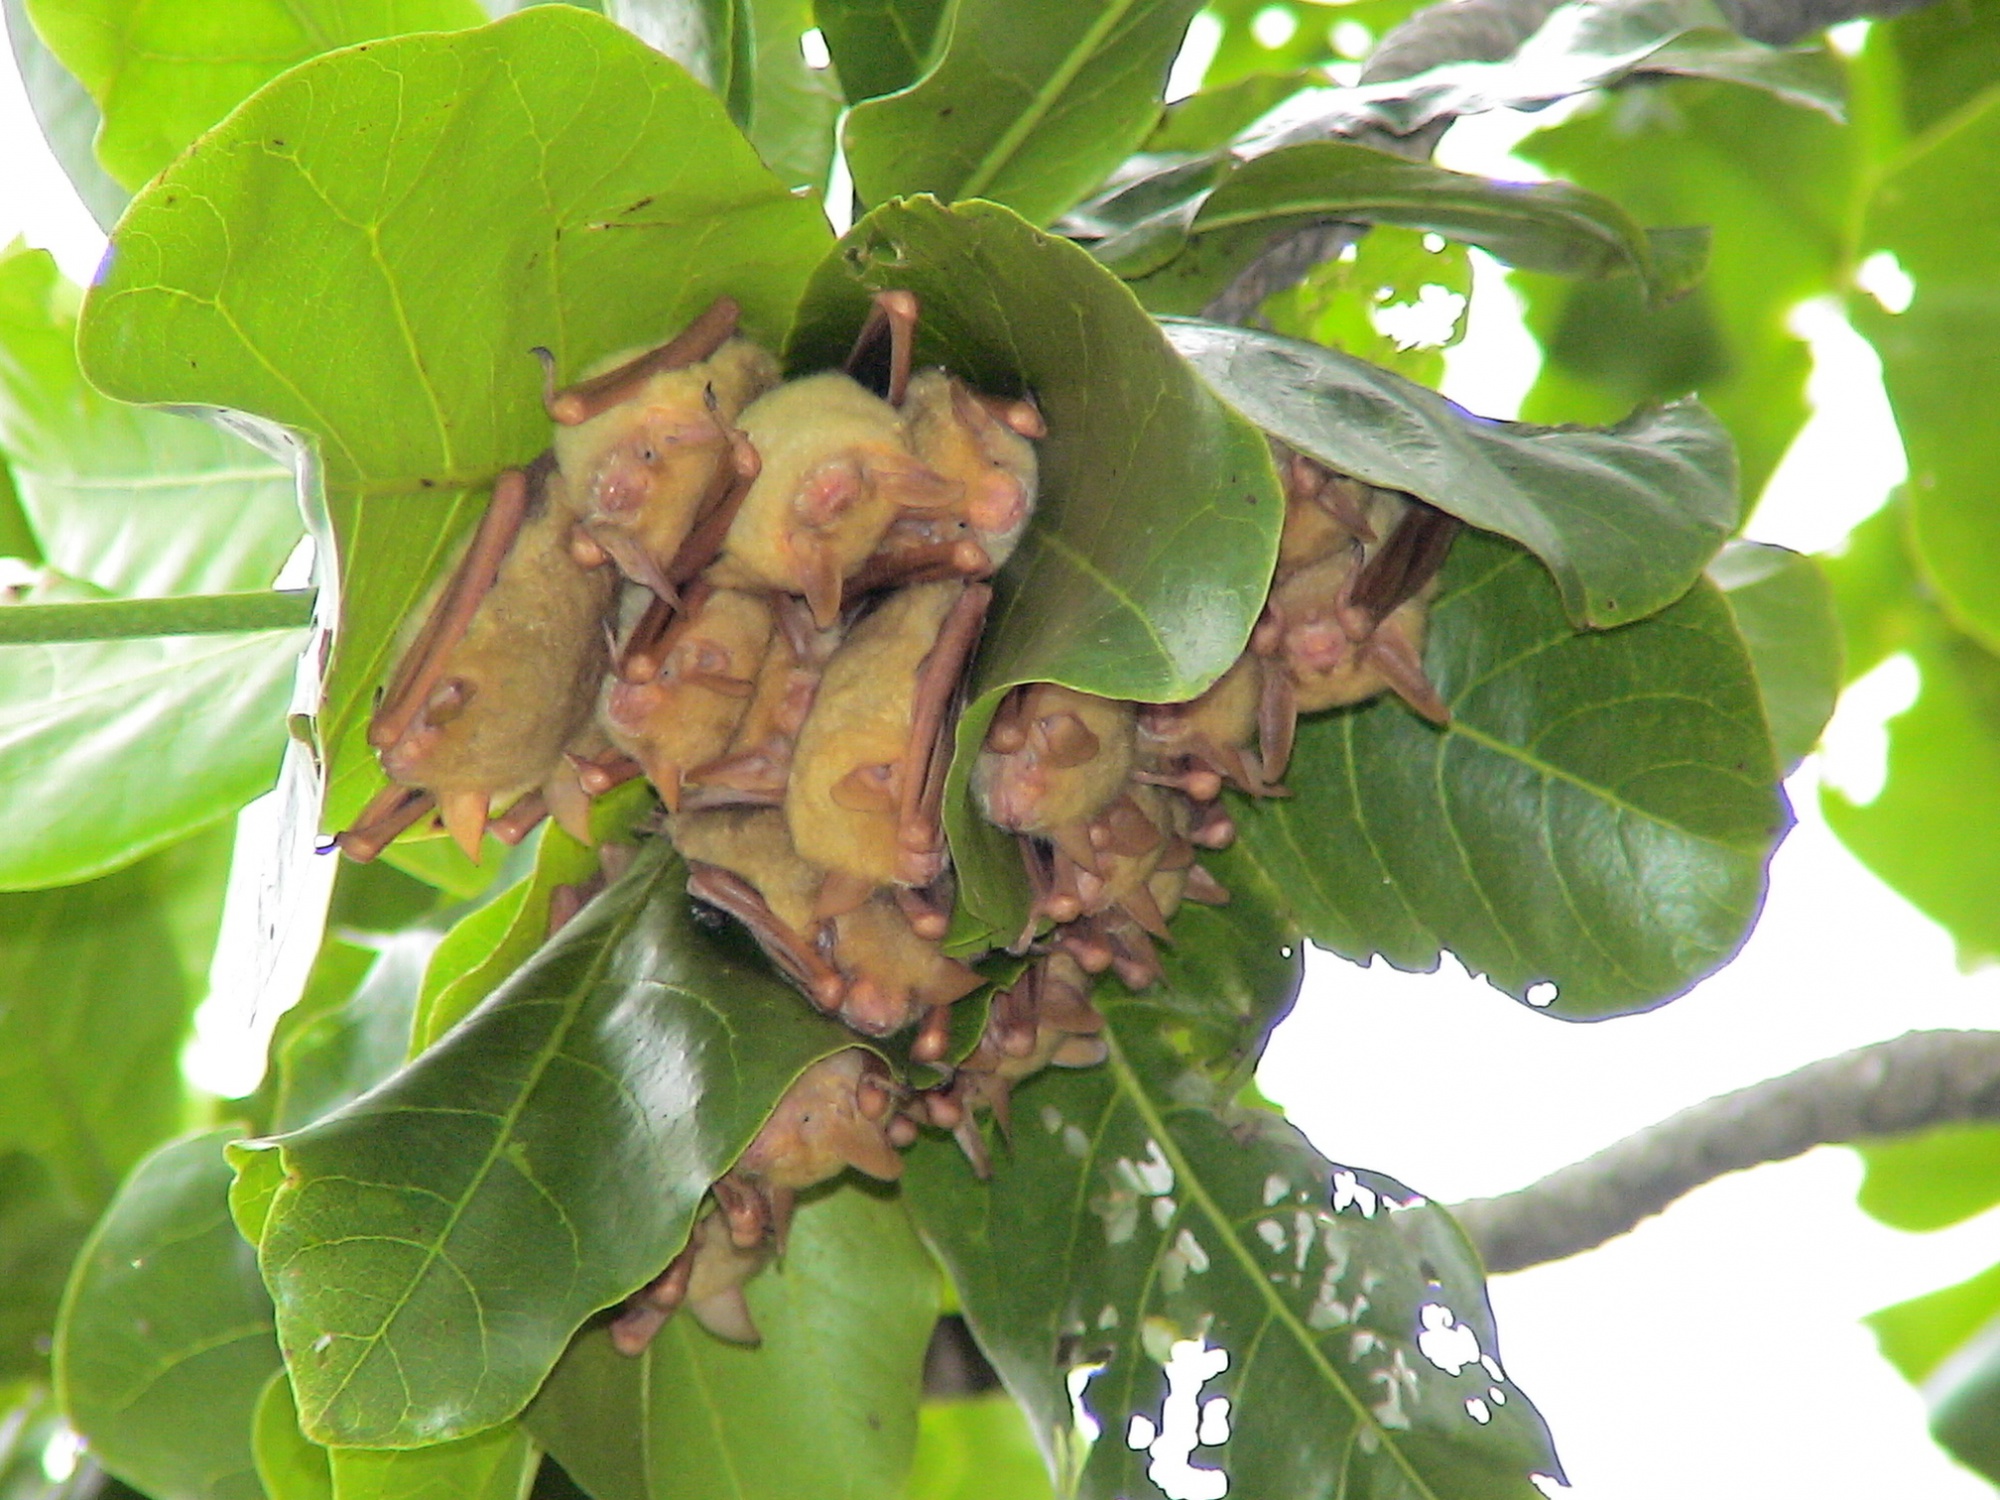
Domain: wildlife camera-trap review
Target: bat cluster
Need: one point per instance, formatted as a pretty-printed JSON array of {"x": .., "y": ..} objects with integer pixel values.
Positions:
[{"x": 763, "y": 595}]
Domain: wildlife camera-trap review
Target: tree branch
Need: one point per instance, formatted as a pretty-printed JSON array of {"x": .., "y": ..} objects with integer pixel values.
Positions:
[{"x": 1921, "y": 1079}]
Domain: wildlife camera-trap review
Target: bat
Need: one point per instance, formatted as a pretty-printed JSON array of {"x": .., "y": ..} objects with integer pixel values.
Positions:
[
  {"x": 648, "y": 445},
  {"x": 707, "y": 1278},
  {"x": 498, "y": 679},
  {"x": 1054, "y": 759},
  {"x": 836, "y": 472},
  {"x": 757, "y": 761},
  {"x": 686, "y": 715},
  {"x": 867, "y": 775}
]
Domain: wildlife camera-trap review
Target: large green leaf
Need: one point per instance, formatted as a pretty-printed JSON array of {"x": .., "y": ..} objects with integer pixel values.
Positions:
[
  {"x": 1944, "y": 1341},
  {"x": 1550, "y": 226},
  {"x": 1932, "y": 1180},
  {"x": 163, "y": 73},
  {"x": 171, "y": 734},
  {"x": 41, "y": 1229},
  {"x": 67, "y": 115},
  {"x": 1625, "y": 518},
  {"x": 1938, "y": 213},
  {"x": 1777, "y": 184},
  {"x": 825, "y": 1406},
  {"x": 498, "y": 1464},
  {"x": 977, "y": 1448},
  {"x": 166, "y": 1339},
  {"x": 878, "y": 46},
  {"x": 710, "y": 38},
  {"x": 96, "y": 985},
  {"x": 1784, "y": 612},
  {"x": 1578, "y": 48},
  {"x": 433, "y": 1246},
  {"x": 593, "y": 182},
  {"x": 1343, "y": 1318},
  {"x": 1030, "y": 103},
  {"x": 1146, "y": 562},
  {"x": 1350, "y": 301},
  {"x": 1595, "y": 820},
  {"x": 793, "y": 106}
]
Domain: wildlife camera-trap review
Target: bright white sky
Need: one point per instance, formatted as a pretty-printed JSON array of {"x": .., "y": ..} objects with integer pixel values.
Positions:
[{"x": 1716, "y": 1351}]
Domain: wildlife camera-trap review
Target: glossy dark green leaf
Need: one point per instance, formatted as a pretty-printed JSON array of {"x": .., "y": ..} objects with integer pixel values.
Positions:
[
  {"x": 1595, "y": 821},
  {"x": 1030, "y": 104},
  {"x": 1784, "y": 612},
  {"x": 166, "y": 1339},
  {"x": 164, "y": 73},
  {"x": 1576, "y": 50},
  {"x": 825, "y": 1406},
  {"x": 1777, "y": 184},
  {"x": 878, "y": 46},
  {"x": 1547, "y": 226},
  {"x": 1625, "y": 518},
  {"x": 435, "y": 392},
  {"x": 67, "y": 115},
  {"x": 1944, "y": 1342},
  {"x": 1936, "y": 212},
  {"x": 433, "y": 1246},
  {"x": 1932, "y": 1180},
  {"x": 1342, "y": 1318},
  {"x": 170, "y": 734},
  {"x": 41, "y": 1229},
  {"x": 498, "y": 1464},
  {"x": 978, "y": 1448},
  {"x": 793, "y": 105},
  {"x": 1934, "y": 831},
  {"x": 1146, "y": 562},
  {"x": 352, "y": 1028},
  {"x": 97, "y": 982}
]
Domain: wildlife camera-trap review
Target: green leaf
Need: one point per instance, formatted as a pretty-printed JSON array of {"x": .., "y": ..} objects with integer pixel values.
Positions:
[
  {"x": 167, "y": 735},
  {"x": 1934, "y": 831},
  {"x": 1146, "y": 563},
  {"x": 1577, "y": 49},
  {"x": 793, "y": 106},
  {"x": 1945, "y": 1342},
  {"x": 1208, "y": 118},
  {"x": 351, "y": 1029},
  {"x": 17, "y": 537},
  {"x": 1784, "y": 612},
  {"x": 67, "y": 115},
  {"x": 96, "y": 987},
  {"x": 1030, "y": 104},
  {"x": 1932, "y": 1180},
  {"x": 164, "y": 73},
  {"x": 878, "y": 46},
  {"x": 495, "y": 1465},
  {"x": 435, "y": 391},
  {"x": 492, "y": 942},
  {"x": 1875, "y": 591},
  {"x": 165, "y": 1341},
  {"x": 290, "y": 1465},
  {"x": 1139, "y": 1215},
  {"x": 977, "y": 1449},
  {"x": 41, "y": 1229},
  {"x": 1597, "y": 816},
  {"x": 1778, "y": 186},
  {"x": 1936, "y": 213},
  {"x": 137, "y": 503},
  {"x": 171, "y": 735},
  {"x": 825, "y": 1406},
  {"x": 1547, "y": 226},
  {"x": 1943, "y": 57},
  {"x": 433, "y": 1246},
  {"x": 1624, "y": 518}
]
